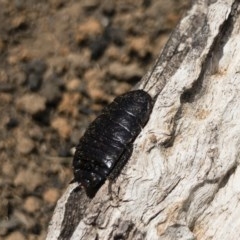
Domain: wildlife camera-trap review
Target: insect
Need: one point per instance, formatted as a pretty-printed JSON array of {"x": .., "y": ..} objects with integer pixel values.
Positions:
[{"x": 106, "y": 145}]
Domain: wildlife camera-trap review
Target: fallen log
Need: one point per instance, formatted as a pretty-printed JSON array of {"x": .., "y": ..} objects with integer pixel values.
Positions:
[{"x": 183, "y": 178}]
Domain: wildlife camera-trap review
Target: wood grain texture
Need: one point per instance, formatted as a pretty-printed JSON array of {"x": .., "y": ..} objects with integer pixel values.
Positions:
[{"x": 183, "y": 179}]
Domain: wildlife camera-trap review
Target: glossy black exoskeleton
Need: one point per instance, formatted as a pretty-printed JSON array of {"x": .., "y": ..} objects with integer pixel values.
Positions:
[{"x": 105, "y": 146}]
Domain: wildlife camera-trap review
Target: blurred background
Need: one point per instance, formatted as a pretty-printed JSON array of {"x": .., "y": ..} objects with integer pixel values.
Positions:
[{"x": 61, "y": 62}]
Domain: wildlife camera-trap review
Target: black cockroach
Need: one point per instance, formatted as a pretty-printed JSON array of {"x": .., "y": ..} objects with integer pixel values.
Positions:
[{"x": 106, "y": 145}]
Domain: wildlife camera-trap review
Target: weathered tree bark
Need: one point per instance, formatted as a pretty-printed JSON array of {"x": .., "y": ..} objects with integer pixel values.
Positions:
[{"x": 183, "y": 178}]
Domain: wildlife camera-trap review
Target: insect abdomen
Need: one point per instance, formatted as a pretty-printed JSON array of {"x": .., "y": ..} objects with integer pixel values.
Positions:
[{"x": 108, "y": 136}]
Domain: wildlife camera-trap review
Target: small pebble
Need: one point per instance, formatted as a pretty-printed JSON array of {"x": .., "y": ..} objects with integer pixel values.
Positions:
[
  {"x": 19, "y": 4},
  {"x": 138, "y": 45},
  {"x": 34, "y": 81},
  {"x": 19, "y": 78},
  {"x": 121, "y": 88},
  {"x": 24, "y": 219},
  {"x": 130, "y": 72},
  {"x": 28, "y": 178},
  {"x": 64, "y": 151},
  {"x": 12, "y": 123},
  {"x": 62, "y": 126},
  {"x": 32, "y": 204},
  {"x": 90, "y": 4},
  {"x": 31, "y": 103},
  {"x": 15, "y": 236},
  {"x": 8, "y": 169},
  {"x": 19, "y": 54},
  {"x": 3, "y": 76},
  {"x": 25, "y": 145},
  {"x": 50, "y": 90},
  {"x": 79, "y": 62},
  {"x": 34, "y": 71},
  {"x": 108, "y": 8},
  {"x": 115, "y": 35},
  {"x": 36, "y": 66},
  {"x": 96, "y": 93},
  {"x": 58, "y": 66},
  {"x": 36, "y": 133},
  {"x": 6, "y": 98},
  {"x": 95, "y": 90},
  {"x": 73, "y": 85},
  {"x": 98, "y": 46},
  {"x": 7, "y": 87},
  {"x": 51, "y": 195},
  {"x": 113, "y": 52},
  {"x": 19, "y": 22},
  {"x": 90, "y": 28},
  {"x": 69, "y": 104}
]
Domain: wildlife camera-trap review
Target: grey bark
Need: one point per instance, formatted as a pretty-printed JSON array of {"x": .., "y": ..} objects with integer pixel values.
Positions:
[{"x": 183, "y": 178}]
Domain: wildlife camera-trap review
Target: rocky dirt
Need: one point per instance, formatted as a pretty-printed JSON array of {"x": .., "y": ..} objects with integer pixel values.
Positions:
[{"x": 60, "y": 63}]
